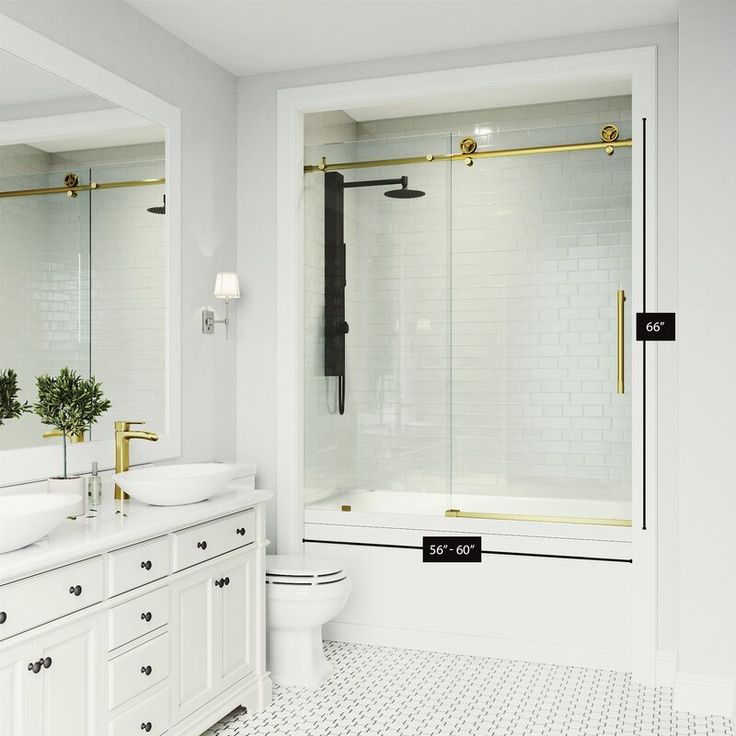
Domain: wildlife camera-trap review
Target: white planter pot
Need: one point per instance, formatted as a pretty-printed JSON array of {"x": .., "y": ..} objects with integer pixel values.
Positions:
[{"x": 75, "y": 485}]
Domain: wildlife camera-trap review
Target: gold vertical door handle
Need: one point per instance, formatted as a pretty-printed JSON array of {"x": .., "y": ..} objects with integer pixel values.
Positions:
[{"x": 620, "y": 299}]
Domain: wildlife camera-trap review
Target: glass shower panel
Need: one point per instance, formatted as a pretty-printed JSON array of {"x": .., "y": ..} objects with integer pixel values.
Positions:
[
  {"x": 394, "y": 435},
  {"x": 44, "y": 284},
  {"x": 541, "y": 245},
  {"x": 128, "y": 265}
]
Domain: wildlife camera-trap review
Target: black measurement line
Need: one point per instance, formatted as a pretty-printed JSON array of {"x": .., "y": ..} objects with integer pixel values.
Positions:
[
  {"x": 644, "y": 309},
  {"x": 485, "y": 552}
]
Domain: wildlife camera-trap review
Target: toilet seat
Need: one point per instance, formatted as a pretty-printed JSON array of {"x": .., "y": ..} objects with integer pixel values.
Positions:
[{"x": 302, "y": 571}]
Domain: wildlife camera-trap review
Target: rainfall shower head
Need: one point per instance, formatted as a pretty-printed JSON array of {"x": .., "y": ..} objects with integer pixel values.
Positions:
[
  {"x": 404, "y": 192},
  {"x": 158, "y": 210}
]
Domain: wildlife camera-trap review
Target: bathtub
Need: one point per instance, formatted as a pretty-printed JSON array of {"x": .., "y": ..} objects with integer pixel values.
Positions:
[{"x": 553, "y": 585}]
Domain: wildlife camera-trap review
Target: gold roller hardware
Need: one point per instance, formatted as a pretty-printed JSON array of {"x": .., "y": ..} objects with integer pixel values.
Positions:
[{"x": 620, "y": 300}]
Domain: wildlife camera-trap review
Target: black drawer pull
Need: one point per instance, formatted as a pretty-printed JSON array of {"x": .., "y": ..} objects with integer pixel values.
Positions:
[
  {"x": 146, "y": 726},
  {"x": 240, "y": 531},
  {"x": 146, "y": 564},
  {"x": 47, "y": 663},
  {"x": 35, "y": 667},
  {"x": 146, "y": 616},
  {"x": 3, "y": 617},
  {"x": 146, "y": 670},
  {"x": 202, "y": 545},
  {"x": 76, "y": 590}
]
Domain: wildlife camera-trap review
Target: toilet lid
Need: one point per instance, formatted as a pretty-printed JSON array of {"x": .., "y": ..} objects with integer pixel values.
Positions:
[{"x": 300, "y": 567}]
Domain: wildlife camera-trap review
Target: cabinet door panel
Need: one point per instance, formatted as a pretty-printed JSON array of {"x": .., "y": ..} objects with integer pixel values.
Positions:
[
  {"x": 15, "y": 690},
  {"x": 194, "y": 679},
  {"x": 236, "y": 606},
  {"x": 68, "y": 690}
]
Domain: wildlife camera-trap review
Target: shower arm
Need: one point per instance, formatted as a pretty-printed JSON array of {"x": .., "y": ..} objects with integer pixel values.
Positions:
[{"x": 404, "y": 181}]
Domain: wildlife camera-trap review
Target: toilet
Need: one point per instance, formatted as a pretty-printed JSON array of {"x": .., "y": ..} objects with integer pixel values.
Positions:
[{"x": 302, "y": 594}]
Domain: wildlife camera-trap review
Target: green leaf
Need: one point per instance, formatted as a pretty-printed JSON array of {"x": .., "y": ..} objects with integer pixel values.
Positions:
[{"x": 10, "y": 407}]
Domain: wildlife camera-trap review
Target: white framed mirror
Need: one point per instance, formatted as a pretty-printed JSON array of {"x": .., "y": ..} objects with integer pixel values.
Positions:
[{"x": 90, "y": 250}]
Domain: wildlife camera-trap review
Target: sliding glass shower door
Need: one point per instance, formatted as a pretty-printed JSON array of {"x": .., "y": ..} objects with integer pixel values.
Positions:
[{"x": 471, "y": 333}]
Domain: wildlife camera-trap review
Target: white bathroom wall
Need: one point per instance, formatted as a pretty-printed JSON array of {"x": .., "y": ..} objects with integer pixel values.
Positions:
[
  {"x": 117, "y": 37},
  {"x": 707, "y": 499},
  {"x": 257, "y": 220}
]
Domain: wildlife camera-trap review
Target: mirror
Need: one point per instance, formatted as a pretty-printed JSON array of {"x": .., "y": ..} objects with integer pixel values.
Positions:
[{"x": 85, "y": 254}]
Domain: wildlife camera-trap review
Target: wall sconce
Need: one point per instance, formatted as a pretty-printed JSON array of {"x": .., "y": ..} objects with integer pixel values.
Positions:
[{"x": 227, "y": 288}]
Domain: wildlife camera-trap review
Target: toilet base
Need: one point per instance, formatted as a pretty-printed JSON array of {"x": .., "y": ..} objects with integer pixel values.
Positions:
[{"x": 296, "y": 658}]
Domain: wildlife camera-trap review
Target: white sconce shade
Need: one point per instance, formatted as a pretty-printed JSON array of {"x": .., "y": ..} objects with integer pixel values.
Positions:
[{"x": 227, "y": 286}]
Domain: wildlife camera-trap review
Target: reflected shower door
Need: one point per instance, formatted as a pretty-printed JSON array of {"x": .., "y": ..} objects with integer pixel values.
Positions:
[{"x": 44, "y": 285}]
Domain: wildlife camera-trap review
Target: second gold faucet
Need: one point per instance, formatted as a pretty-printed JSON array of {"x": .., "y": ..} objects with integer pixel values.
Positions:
[{"x": 123, "y": 435}]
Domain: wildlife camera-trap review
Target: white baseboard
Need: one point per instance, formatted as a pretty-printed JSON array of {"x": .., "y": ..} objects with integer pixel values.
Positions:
[
  {"x": 437, "y": 641},
  {"x": 706, "y": 694},
  {"x": 666, "y": 668}
]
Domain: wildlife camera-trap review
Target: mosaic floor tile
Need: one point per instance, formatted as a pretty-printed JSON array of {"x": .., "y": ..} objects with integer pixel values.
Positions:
[{"x": 380, "y": 691}]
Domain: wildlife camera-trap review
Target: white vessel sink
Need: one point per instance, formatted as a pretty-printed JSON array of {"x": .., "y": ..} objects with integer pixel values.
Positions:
[
  {"x": 27, "y": 517},
  {"x": 175, "y": 485}
]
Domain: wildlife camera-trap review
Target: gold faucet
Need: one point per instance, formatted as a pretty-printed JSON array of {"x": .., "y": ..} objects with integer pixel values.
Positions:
[{"x": 123, "y": 435}]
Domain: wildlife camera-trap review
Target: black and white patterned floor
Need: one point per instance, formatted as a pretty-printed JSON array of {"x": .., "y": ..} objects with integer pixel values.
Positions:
[{"x": 379, "y": 691}]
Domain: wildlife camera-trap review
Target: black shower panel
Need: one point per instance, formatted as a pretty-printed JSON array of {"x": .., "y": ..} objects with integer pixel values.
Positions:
[{"x": 335, "y": 325}]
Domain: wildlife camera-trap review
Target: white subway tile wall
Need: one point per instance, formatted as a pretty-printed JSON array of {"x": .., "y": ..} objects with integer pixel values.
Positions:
[
  {"x": 50, "y": 258},
  {"x": 482, "y": 351}
]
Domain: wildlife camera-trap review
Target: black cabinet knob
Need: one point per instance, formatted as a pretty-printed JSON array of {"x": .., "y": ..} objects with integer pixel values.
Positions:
[
  {"x": 218, "y": 583},
  {"x": 3, "y": 617},
  {"x": 47, "y": 663},
  {"x": 240, "y": 531},
  {"x": 146, "y": 726},
  {"x": 202, "y": 545},
  {"x": 35, "y": 667},
  {"x": 146, "y": 616},
  {"x": 146, "y": 564},
  {"x": 146, "y": 670},
  {"x": 226, "y": 581},
  {"x": 76, "y": 590}
]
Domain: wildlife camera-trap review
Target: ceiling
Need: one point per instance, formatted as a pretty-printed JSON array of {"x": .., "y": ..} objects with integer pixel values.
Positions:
[{"x": 258, "y": 36}]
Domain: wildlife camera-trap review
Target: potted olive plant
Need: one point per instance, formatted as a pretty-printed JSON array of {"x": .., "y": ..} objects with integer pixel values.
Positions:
[
  {"x": 10, "y": 406},
  {"x": 70, "y": 404}
]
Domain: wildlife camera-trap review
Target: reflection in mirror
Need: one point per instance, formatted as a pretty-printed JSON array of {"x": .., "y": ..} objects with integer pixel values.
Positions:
[{"x": 83, "y": 247}]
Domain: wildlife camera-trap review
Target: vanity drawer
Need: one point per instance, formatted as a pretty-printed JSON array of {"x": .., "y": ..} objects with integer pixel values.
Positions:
[
  {"x": 200, "y": 543},
  {"x": 130, "y": 620},
  {"x": 134, "y": 566},
  {"x": 50, "y": 595},
  {"x": 135, "y": 720},
  {"x": 138, "y": 670}
]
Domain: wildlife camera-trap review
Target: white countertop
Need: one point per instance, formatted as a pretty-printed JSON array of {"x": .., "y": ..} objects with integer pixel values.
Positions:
[{"x": 76, "y": 539}]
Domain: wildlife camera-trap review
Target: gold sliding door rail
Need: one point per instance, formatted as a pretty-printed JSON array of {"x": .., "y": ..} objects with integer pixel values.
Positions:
[
  {"x": 92, "y": 186},
  {"x": 457, "y": 513},
  {"x": 468, "y": 156}
]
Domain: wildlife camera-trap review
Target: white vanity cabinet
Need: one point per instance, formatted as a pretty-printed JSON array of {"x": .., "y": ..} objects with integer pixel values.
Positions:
[
  {"x": 157, "y": 636},
  {"x": 51, "y": 685},
  {"x": 213, "y": 615}
]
